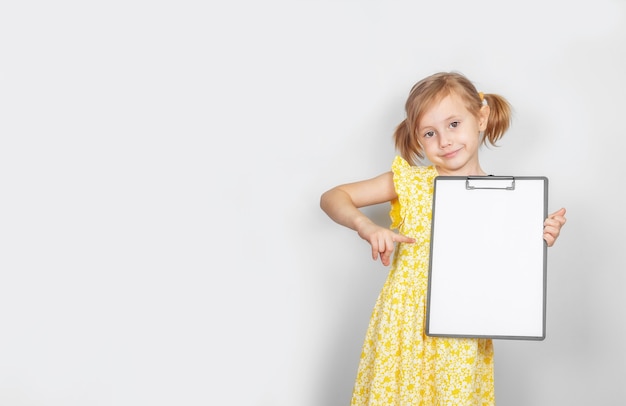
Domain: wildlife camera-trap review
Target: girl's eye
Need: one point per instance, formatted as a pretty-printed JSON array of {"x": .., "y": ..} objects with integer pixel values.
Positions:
[
  {"x": 429, "y": 134},
  {"x": 454, "y": 124}
]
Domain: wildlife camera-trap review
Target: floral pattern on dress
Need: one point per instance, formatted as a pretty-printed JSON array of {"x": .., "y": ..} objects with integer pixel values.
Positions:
[{"x": 399, "y": 364}]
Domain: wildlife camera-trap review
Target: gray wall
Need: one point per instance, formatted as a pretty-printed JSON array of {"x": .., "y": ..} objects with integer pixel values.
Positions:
[{"x": 160, "y": 171}]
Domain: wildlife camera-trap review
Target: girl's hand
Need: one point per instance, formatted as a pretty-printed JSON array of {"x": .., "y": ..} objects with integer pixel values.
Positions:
[
  {"x": 382, "y": 241},
  {"x": 552, "y": 226}
]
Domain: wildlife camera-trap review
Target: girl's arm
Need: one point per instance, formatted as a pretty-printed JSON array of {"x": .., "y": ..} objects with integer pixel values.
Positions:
[
  {"x": 552, "y": 226},
  {"x": 342, "y": 204}
]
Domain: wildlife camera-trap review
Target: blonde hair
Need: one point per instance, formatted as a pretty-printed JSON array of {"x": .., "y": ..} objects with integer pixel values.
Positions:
[{"x": 431, "y": 90}]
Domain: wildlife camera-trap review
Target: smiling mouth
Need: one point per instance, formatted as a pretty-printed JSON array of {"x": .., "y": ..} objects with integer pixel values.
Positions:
[{"x": 451, "y": 154}]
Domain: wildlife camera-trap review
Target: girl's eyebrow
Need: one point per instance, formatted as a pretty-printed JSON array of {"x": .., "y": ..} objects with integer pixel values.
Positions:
[
  {"x": 445, "y": 120},
  {"x": 422, "y": 129}
]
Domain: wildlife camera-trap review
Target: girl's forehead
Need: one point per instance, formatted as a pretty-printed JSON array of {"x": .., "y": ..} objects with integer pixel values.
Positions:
[{"x": 444, "y": 107}]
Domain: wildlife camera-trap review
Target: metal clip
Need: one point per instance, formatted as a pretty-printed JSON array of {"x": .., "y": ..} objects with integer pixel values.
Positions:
[{"x": 490, "y": 182}]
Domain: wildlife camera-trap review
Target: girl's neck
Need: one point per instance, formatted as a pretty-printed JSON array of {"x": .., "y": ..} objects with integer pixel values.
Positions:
[{"x": 465, "y": 171}]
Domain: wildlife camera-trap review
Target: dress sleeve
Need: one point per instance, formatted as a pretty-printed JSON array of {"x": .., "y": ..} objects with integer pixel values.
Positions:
[{"x": 399, "y": 169}]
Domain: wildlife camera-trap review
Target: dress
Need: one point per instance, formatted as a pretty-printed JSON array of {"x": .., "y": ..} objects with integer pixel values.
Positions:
[{"x": 399, "y": 364}]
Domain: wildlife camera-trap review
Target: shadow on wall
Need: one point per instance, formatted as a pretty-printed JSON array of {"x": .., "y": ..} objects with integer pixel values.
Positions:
[
  {"x": 339, "y": 369},
  {"x": 351, "y": 317}
]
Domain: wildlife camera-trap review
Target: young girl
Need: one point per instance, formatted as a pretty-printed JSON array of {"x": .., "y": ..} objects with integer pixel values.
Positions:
[{"x": 447, "y": 120}]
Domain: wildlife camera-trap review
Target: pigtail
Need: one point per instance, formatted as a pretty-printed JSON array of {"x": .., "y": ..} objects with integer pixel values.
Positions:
[
  {"x": 406, "y": 144},
  {"x": 499, "y": 118}
]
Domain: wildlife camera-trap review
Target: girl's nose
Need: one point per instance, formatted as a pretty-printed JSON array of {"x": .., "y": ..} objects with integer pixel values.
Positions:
[{"x": 444, "y": 140}]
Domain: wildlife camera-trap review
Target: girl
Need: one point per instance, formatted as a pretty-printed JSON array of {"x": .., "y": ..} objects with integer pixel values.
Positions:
[{"x": 447, "y": 119}]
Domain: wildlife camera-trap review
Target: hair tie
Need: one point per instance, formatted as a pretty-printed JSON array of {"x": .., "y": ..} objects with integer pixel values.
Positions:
[{"x": 482, "y": 97}]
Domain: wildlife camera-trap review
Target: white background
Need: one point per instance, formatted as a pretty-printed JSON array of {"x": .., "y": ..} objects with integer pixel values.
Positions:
[{"x": 161, "y": 164}]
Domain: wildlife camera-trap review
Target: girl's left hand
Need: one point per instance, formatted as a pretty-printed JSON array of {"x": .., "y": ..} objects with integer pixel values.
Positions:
[{"x": 552, "y": 226}]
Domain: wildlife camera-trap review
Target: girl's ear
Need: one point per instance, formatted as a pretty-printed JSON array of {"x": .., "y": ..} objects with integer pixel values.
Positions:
[{"x": 483, "y": 117}]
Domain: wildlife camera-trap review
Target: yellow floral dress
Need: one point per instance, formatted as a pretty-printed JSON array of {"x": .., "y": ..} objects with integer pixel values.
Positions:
[{"x": 399, "y": 364}]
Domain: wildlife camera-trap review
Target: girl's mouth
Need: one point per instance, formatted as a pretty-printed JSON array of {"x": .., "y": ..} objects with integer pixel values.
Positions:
[{"x": 451, "y": 154}]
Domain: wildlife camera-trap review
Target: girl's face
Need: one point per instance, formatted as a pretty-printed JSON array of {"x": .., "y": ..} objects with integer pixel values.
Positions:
[{"x": 450, "y": 136}]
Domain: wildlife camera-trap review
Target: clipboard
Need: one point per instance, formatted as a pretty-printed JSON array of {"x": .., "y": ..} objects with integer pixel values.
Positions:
[{"x": 488, "y": 260}]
